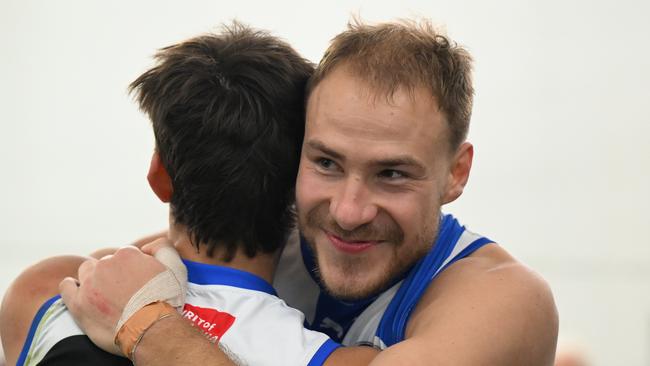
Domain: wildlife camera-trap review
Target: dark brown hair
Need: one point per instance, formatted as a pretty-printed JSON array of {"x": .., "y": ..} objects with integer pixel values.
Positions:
[{"x": 228, "y": 116}]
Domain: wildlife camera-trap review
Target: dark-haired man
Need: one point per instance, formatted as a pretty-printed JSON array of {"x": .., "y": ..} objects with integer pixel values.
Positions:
[
  {"x": 387, "y": 116},
  {"x": 227, "y": 113}
]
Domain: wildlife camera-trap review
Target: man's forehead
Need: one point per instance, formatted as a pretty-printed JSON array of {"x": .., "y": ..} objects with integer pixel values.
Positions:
[
  {"x": 349, "y": 114},
  {"x": 342, "y": 90},
  {"x": 374, "y": 91}
]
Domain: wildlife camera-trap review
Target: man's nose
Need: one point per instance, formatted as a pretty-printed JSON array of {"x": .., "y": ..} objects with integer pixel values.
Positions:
[{"x": 352, "y": 204}]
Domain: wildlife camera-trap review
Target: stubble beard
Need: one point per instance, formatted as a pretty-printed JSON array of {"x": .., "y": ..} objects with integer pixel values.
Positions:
[{"x": 355, "y": 277}]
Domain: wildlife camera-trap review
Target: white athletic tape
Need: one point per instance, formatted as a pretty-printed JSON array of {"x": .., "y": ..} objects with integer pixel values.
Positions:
[
  {"x": 169, "y": 286},
  {"x": 169, "y": 257}
]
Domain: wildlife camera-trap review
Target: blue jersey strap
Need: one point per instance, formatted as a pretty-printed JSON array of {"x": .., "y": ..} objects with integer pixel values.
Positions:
[
  {"x": 32, "y": 329},
  {"x": 323, "y": 353},
  {"x": 393, "y": 323}
]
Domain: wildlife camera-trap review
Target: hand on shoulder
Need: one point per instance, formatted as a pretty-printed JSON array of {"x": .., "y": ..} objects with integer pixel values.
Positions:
[{"x": 103, "y": 297}]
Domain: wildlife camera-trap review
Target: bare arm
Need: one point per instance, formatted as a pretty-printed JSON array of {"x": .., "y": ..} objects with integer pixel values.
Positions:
[
  {"x": 25, "y": 296},
  {"x": 484, "y": 310},
  {"x": 156, "y": 349},
  {"x": 33, "y": 287},
  {"x": 108, "y": 284},
  {"x": 186, "y": 347}
]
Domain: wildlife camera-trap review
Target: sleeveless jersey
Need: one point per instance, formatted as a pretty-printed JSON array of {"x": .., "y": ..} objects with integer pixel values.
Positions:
[
  {"x": 379, "y": 321},
  {"x": 235, "y": 309}
]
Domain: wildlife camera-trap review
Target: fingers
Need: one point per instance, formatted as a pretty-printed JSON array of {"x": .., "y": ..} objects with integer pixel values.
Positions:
[
  {"x": 163, "y": 250},
  {"x": 156, "y": 245},
  {"x": 169, "y": 257},
  {"x": 103, "y": 252},
  {"x": 86, "y": 269},
  {"x": 127, "y": 251},
  {"x": 69, "y": 288},
  {"x": 150, "y": 238}
]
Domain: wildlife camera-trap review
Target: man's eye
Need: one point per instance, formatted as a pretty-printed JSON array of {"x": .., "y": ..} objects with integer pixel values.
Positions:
[
  {"x": 325, "y": 163},
  {"x": 392, "y": 174}
]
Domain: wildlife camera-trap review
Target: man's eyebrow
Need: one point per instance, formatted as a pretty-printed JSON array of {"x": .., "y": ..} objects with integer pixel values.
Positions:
[
  {"x": 317, "y": 145},
  {"x": 399, "y": 161},
  {"x": 395, "y": 161}
]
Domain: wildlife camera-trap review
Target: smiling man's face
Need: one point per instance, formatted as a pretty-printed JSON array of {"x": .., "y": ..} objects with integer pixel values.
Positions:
[{"x": 373, "y": 175}]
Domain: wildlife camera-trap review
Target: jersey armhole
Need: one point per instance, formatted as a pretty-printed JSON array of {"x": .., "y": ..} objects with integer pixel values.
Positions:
[
  {"x": 323, "y": 352},
  {"x": 32, "y": 329}
]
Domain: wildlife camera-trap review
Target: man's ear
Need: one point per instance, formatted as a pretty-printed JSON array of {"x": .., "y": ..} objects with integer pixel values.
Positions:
[
  {"x": 459, "y": 172},
  {"x": 159, "y": 180}
]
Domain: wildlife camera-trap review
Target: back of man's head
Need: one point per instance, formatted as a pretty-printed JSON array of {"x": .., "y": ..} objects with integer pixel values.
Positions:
[
  {"x": 228, "y": 117},
  {"x": 406, "y": 54}
]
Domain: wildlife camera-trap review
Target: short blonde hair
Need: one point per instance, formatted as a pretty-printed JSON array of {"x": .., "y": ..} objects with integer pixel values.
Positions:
[{"x": 406, "y": 54}]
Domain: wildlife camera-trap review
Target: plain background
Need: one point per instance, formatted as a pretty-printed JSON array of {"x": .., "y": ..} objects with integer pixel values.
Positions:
[{"x": 560, "y": 128}]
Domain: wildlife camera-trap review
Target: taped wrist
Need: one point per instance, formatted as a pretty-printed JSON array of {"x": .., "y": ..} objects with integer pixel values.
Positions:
[
  {"x": 131, "y": 333},
  {"x": 168, "y": 286}
]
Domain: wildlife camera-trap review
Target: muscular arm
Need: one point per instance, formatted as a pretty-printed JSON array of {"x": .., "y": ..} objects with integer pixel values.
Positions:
[
  {"x": 484, "y": 310},
  {"x": 33, "y": 287},
  {"x": 157, "y": 349},
  {"x": 187, "y": 347},
  {"x": 25, "y": 296},
  {"x": 98, "y": 301}
]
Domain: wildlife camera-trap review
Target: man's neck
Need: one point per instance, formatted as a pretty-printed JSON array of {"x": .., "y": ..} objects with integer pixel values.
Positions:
[{"x": 262, "y": 265}]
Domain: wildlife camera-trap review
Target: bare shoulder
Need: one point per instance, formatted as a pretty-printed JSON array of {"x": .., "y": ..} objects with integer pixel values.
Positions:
[
  {"x": 25, "y": 296},
  {"x": 488, "y": 272},
  {"x": 492, "y": 308}
]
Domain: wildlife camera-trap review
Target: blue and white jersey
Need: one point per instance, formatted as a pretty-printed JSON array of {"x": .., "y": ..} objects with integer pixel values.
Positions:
[
  {"x": 234, "y": 309},
  {"x": 379, "y": 321}
]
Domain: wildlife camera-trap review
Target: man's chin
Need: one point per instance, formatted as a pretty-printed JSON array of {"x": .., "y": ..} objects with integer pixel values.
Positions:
[
  {"x": 353, "y": 296},
  {"x": 343, "y": 289}
]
